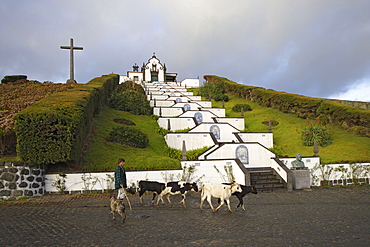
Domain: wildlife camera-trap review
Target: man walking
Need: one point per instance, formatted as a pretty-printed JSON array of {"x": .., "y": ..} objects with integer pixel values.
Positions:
[{"x": 120, "y": 179}]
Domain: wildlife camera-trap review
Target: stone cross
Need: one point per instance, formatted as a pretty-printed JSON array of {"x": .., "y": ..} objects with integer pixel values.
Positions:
[{"x": 71, "y": 66}]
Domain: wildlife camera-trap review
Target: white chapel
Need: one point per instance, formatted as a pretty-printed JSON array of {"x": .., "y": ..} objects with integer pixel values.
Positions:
[{"x": 153, "y": 71}]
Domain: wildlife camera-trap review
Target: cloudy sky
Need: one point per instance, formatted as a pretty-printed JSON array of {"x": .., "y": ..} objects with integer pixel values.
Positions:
[{"x": 318, "y": 48}]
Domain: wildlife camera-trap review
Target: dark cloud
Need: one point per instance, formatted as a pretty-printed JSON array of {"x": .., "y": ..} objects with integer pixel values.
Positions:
[{"x": 309, "y": 47}]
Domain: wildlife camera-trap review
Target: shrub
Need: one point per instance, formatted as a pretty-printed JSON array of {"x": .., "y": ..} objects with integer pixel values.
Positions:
[
  {"x": 210, "y": 90},
  {"x": 162, "y": 131},
  {"x": 13, "y": 78},
  {"x": 190, "y": 155},
  {"x": 239, "y": 107},
  {"x": 174, "y": 153},
  {"x": 181, "y": 131},
  {"x": 55, "y": 128},
  {"x": 316, "y": 132},
  {"x": 131, "y": 101},
  {"x": 130, "y": 85},
  {"x": 277, "y": 150},
  {"x": 193, "y": 154},
  {"x": 221, "y": 97},
  {"x": 128, "y": 136}
]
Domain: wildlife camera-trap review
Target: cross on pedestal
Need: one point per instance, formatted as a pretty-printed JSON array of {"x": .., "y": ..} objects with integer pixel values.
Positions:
[{"x": 71, "y": 66}]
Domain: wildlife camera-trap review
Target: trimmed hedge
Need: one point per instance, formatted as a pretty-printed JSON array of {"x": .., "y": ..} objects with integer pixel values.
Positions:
[
  {"x": 55, "y": 128},
  {"x": 350, "y": 118},
  {"x": 130, "y": 136},
  {"x": 13, "y": 78},
  {"x": 132, "y": 101}
]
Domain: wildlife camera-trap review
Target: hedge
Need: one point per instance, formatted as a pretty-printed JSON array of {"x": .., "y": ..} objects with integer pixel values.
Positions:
[
  {"x": 13, "y": 78},
  {"x": 351, "y": 118},
  {"x": 130, "y": 98},
  {"x": 55, "y": 128}
]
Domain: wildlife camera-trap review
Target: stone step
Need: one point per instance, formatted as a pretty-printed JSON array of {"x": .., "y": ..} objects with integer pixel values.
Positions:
[
  {"x": 259, "y": 169},
  {"x": 261, "y": 173},
  {"x": 257, "y": 177},
  {"x": 266, "y": 181},
  {"x": 269, "y": 190},
  {"x": 268, "y": 186}
]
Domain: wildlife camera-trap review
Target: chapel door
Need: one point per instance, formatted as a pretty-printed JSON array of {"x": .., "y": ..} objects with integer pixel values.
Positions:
[{"x": 154, "y": 76}]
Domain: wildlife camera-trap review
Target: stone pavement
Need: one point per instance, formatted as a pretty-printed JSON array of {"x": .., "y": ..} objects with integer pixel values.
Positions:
[{"x": 320, "y": 217}]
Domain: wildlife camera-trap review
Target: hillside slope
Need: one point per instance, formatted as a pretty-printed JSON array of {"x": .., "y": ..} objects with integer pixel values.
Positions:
[
  {"x": 347, "y": 146},
  {"x": 101, "y": 155}
]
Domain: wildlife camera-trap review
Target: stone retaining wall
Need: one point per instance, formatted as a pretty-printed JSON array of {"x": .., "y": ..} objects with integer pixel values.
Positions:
[
  {"x": 18, "y": 179},
  {"x": 365, "y": 105}
]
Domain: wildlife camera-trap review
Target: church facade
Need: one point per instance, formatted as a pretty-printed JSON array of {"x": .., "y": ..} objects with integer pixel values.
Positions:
[{"x": 153, "y": 71}]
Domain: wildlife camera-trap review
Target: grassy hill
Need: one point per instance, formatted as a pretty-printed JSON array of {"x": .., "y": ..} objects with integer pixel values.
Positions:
[
  {"x": 101, "y": 155},
  {"x": 347, "y": 146}
]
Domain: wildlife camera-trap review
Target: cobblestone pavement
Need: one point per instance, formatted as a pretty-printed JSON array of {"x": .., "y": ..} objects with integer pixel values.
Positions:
[{"x": 320, "y": 217}]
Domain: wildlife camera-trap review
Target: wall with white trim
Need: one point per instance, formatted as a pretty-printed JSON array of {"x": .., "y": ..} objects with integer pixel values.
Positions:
[
  {"x": 192, "y": 140},
  {"x": 176, "y": 123},
  {"x": 204, "y": 170}
]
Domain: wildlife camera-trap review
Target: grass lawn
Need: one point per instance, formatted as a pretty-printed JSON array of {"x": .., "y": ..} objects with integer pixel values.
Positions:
[
  {"x": 347, "y": 146},
  {"x": 102, "y": 155}
]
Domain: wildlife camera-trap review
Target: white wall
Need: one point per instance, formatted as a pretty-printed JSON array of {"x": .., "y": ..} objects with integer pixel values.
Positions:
[
  {"x": 225, "y": 133},
  {"x": 123, "y": 78},
  {"x": 266, "y": 139},
  {"x": 150, "y": 85},
  {"x": 209, "y": 174},
  {"x": 156, "y": 92},
  {"x": 176, "y": 123},
  {"x": 169, "y": 85},
  {"x": 331, "y": 170},
  {"x": 158, "y": 97},
  {"x": 149, "y": 66},
  {"x": 187, "y": 98},
  {"x": 206, "y": 115},
  {"x": 193, "y": 106},
  {"x": 198, "y": 104},
  {"x": 205, "y": 104},
  {"x": 258, "y": 156},
  {"x": 105, "y": 180},
  {"x": 192, "y": 140},
  {"x": 174, "y": 94},
  {"x": 162, "y": 103},
  {"x": 168, "y": 111},
  {"x": 236, "y": 122},
  {"x": 189, "y": 83},
  {"x": 132, "y": 75},
  {"x": 203, "y": 169},
  {"x": 219, "y": 112}
]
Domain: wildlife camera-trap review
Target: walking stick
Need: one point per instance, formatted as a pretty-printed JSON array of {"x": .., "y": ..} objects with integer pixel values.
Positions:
[{"x": 129, "y": 204}]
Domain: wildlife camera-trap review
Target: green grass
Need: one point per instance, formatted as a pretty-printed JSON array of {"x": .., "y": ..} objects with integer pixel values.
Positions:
[
  {"x": 347, "y": 146},
  {"x": 102, "y": 155}
]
